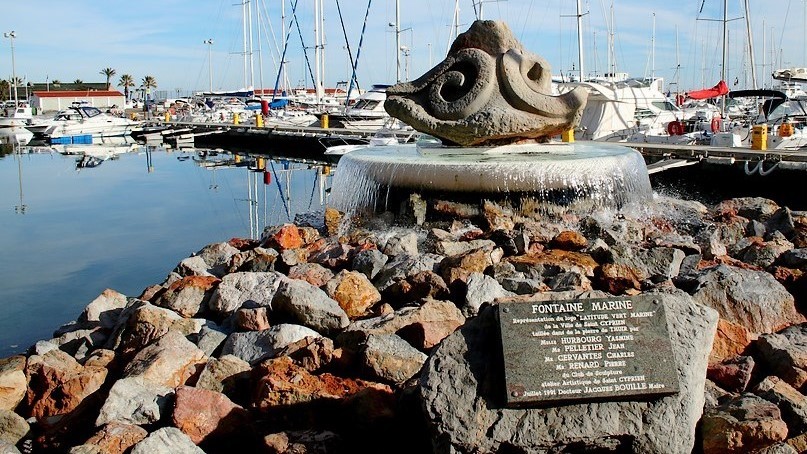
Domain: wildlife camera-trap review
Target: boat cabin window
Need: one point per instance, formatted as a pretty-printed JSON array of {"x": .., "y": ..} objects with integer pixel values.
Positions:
[
  {"x": 366, "y": 104},
  {"x": 91, "y": 111},
  {"x": 788, "y": 109},
  {"x": 665, "y": 105}
]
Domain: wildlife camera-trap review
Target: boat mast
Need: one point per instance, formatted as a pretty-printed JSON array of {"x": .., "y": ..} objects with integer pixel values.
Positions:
[
  {"x": 653, "y": 50},
  {"x": 764, "y": 54},
  {"x": 751, "y": 44},
  {"x": 725, "y": 55},
  {"x": 244, "y": 36},
  {"x": 317, "y": 59},
  {"x": 251, "y": 61},
  {"x": 322, "y": 47},
  {"x": 580, "y": 39},
  {"x": 397, "y": 41}
]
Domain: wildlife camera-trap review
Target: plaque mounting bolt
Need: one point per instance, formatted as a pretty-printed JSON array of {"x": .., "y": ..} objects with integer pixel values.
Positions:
[
  {"x": 514, "y": 393},
  {"x": 506, "y": 310}
]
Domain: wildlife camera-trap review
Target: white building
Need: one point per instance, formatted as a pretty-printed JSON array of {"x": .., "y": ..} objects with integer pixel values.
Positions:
[{"x": 49, "y": 101}]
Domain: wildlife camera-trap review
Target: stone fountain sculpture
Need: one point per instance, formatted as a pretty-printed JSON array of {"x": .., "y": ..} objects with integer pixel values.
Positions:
[
  {"x": 490, "y": 102},
  {"x": 489, "y": 90}
]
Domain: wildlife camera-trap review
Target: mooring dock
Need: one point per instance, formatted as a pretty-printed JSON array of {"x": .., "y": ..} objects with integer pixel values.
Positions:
[{"x": 665, "y": 156}]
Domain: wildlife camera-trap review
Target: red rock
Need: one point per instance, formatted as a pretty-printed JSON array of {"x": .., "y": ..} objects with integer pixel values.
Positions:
[
  {"x": 253, "y": 319},
  {"x": 425, "y": 284},
  {"x": 284, "y": 237},
  {"x": 187, "y": 296},
  {"x": 742, "y": 425},
  {"x": 618, "y": 278},
  {"x": 565, "y": 260},
  {"x": 460, "y": 267},
  {"x": 569, "y": 241},
  {"x": 117, "y": 438},
  {"x": 733, "y": 374},
  {"x": 333, "y": 255},
  {"x": 203, "y": 415},
  {"x": 498, "y": 218},
  {"x": 243, "y": 244},
  {"x": 731, "y": 339},
  {"x": 313, "y": 273},
  {"x": 310, "y": 353},
  {"x": 309, "y": 235},
  {"x": 57, "y": 383},
  {"x": 354, "y": 292},
  {"x": 100, "y": 357},
  {"x": 151, "y": 293},
  {"x": 280, "y": 382}
]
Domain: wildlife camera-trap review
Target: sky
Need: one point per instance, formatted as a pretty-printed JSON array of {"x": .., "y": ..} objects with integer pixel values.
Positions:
[{"x": 76, "y": 39}]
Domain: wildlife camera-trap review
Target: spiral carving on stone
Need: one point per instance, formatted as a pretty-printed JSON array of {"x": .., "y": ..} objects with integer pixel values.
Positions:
[{"x": 488, "y": 90}]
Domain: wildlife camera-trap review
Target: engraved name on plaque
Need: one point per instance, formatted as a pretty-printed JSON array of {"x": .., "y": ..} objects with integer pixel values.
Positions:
[{"x": 588, "y": 349}]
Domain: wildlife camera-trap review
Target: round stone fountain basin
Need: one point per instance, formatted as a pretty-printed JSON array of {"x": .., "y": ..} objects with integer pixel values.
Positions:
[{"x": 605, "y": 175}]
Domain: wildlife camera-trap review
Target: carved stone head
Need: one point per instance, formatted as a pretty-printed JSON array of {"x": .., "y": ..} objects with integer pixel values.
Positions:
[{"x": 488, "y": 91}]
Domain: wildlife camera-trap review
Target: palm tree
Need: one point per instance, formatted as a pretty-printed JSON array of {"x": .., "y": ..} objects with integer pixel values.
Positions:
[
  {"x": 126, "y": 81},
  {"x": 56, "y": 81},
  {"x": 78, "y": 81},
  {"x": 109, "y": 73},
  {"x": 5, "y": 89},
  {"x": 148, "y": 83}
]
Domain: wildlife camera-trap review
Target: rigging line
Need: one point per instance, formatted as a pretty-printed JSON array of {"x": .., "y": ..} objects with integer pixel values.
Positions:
[
  {"x": 280, "y": 189},
  {"x": 784, "y": 26},
  {"x": 347, "y": 43},
  {"x": 358, "y": 53},
  {"x": 313, "y": 189},
  {"x": 302, "y": 43},
  {"x": 285, "y": 48}
]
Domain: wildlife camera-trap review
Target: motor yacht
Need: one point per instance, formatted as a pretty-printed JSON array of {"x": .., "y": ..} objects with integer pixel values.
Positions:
[{"x": 83, "y": 120}]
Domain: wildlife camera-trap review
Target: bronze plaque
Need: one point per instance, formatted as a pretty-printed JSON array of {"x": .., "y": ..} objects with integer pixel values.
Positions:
[{"x": 588, "y": 349}]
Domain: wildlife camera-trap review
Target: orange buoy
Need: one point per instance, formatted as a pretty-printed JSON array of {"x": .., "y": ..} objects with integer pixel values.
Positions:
[{"x": 786, "y": 130}]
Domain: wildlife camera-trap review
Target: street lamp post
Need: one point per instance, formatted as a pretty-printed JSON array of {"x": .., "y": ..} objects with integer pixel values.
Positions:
[
  {"x": 209, "y": 43},
  {"x": 11, "y": 35}
]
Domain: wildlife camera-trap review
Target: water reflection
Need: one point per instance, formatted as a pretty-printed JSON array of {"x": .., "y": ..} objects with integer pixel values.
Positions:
[{"x": 126, "y": 223}]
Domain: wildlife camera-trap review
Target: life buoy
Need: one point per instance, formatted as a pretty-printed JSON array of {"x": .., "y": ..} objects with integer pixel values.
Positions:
[
  {"x": 675, "y": 128},
  {"x": 716, "y": 124},
  {"x": 786, "y": 130}
]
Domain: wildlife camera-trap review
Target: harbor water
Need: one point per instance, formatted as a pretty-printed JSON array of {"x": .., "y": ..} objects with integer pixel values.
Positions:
[{"x": 72, "y": 227}]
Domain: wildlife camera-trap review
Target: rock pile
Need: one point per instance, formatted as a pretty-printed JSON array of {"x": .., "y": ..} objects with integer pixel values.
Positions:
[{"x": 370, "y": 341}]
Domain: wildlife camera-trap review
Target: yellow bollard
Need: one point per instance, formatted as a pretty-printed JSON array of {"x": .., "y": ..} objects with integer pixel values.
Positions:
[
  {"x": 167, "y": 117},
  {"x": 236, "y": 118},
  {"x": 237, "y": 158},
  {"x": 324, "y": 121},
  {"x": 567, "y": 136},
  {"x": 759, "y": 137},
  {"x": 326, "y": 170},
  {"x": 259, "y": 120},
  {"x": 260, "y": 164}
]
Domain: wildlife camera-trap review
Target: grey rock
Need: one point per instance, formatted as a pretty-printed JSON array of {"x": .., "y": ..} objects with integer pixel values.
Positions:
[
  {"x": 237, "y": 288},
  {"x": 105, "y": 309},
  {"x": 135, "y": 401},
  {"x": 714, "y": 395},
  {"x": 449, "y": 248},
  {"x": 750, "y": 298},
  {"x": 217, "y": 257},
  {"x": 711, "y": 243},
  {"x": 369, "y": 262},
  {"x": 401, "y": 243},
  {"x": 755, "y": 228},
  {"x": 461, "y": 388},
  {"x": 785, "y": 354},
  {"x": 390, "y": 358},
  {"x": 795, "y": 258},
  {"x": 766, "y": 254},
  {"x": 526, "y": 286},
  {"x": 781, "y": 221},
  {"x": 168, "y": 440},
  {"x": 255, "y": 346},
  {"x": 8, "y": 448},
  {"x": 307, "y": 305},
  {"x": 755, "y": 208},
  {"x": 792, "y": 403},
  {"x": 85, "y": 449},
  {"x": 778, "y": 448},
  {"x": 191, "y": 266},
  {"x": 566, "y": 281},
  {"x": 12, "y": 427},
  {"x": 211, "y": 337},
  {"x": 228, "y": 375},
  {"x": 482, "y": 289},
  {"x": 404, "y": 265}
]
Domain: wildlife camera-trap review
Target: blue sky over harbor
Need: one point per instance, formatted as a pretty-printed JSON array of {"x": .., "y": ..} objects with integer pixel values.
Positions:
[{"x": 68, "y": 40}]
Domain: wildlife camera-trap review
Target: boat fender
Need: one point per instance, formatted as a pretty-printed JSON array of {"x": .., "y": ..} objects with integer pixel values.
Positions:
[
  {"x": 675, "y": 128},
  {"x": 786, "y": 130},
  {"x": 716, "y": 123}
]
